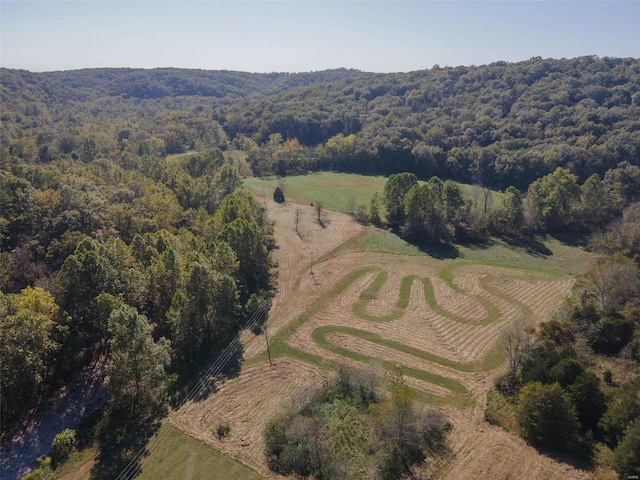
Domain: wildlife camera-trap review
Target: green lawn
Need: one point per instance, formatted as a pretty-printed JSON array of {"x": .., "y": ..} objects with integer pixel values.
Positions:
[
  {"x": 340, "y": 191},
  {"x": 181, "y": 457},
  {"x": 333, "y": 190}
]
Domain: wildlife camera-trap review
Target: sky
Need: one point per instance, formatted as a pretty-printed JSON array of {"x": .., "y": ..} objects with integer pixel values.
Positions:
[{"x": 300, "y": 36}]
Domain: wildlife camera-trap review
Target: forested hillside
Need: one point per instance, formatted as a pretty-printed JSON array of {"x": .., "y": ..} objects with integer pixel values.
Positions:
[{"x": 500, "y": 124}]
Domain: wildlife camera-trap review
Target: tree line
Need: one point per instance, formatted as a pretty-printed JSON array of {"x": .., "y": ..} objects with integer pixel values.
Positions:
[{"x": 438, "y": 212}]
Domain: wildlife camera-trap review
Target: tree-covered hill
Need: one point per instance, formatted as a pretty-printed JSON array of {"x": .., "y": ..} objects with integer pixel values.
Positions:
[
  {"x": 500, "y": 124},
  {"x": 90, "y": 84}
]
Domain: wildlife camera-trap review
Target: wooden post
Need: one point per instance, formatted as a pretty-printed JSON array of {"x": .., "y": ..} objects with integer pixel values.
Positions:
[{"x": 266, "y": 336}]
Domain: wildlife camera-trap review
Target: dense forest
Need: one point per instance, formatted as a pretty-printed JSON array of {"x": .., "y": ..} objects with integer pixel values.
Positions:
[
  {"x": 501, "y": 124},
  {"x": 125, "y": 233}
]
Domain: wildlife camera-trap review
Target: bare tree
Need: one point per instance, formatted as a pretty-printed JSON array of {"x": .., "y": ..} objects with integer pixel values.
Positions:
[
  {"x": 614, "y": 282},
  {"x": 516, "y": 342},
  {"x": 318, "y": 207},
  {"x": 486, "y": 196},
  {"x": 351, "y": 205}
]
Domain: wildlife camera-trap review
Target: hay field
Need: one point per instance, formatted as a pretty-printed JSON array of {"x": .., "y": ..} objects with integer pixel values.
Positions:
[{"x": 344, "y": 298}]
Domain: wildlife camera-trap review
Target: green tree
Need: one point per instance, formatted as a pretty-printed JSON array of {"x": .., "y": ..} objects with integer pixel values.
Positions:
[
  {"x": 509, "y": 218},
  {"x": 374, "y": 209},
  {"x": 227, "y": 179},
  {"x": 30, "y": 328},
  {"x": 278, "y": 195},
  {"x": 553, "y": 199},
  {"x": 588, "y": 399},
  {"x": 623, "y": 410},
  {"x": 202, "y": 315},
  {"x": 82, "y": 277},
  {"x": 165, "y": 275},
  {"x": 626, "y": 456},
  {"x": 425, "y": 214},
  {"x": 395, "y": 191},
  {"x": 546, "y": 416},
  {"x": 246, "y": 238},
  {"x": 596, "y": 208},
  {"x": 135, "y": 373},
  {"x": 453, "y": 200},
  {"x": 62, "y": 446}
]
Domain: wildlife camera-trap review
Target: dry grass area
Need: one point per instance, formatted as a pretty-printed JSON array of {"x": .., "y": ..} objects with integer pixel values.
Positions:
[{"x": 438, "y": 321}]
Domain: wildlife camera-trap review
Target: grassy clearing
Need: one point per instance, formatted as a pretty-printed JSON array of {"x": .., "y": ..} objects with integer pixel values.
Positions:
[
  {"x": 181, "y": 457},
  {"x": 341, "y": 191},
  {"x": 239, "y": 159},
  {"x": 336, "y": 191},
  {"x": 544, "y": 254},
  {"x": 178, "y": 457}
]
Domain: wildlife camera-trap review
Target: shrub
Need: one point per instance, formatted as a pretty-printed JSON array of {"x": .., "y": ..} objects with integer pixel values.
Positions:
[
  {"x": 223, "y": 430},
  {"x": 546, "y": 416},
  {"x": 62, "y": 446},
  {"x": 610, "y": 334},
  {"x": 626, "y": 456},
  {"x": 278, "y": 195}
]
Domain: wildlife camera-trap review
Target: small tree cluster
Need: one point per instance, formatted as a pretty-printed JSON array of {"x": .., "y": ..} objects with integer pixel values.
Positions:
[{"x": 346, "y": 430}]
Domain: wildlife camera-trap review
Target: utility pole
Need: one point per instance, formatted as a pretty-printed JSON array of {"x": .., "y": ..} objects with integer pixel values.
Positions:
[
  {"x": 266, "y": 336},
  {"x": 311, "y": 262}
]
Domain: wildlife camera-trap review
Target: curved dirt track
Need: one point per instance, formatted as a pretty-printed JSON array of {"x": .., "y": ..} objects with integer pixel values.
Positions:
[{"x": 348, "y": 307}]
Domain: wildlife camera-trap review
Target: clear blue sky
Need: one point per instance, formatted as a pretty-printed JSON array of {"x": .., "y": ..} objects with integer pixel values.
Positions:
[{"x": 294, "y": 36}]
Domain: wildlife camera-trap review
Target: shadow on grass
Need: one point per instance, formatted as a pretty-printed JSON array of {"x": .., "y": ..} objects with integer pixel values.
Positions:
[
  {"x": 440, "y": 251},
  {"x": 573, "y": 239},
  {"x": 123, "y": 445},
  {"x": 530, "y": 245},
  {"x": 580, "y": 460},
  {"x": 199, "y": 387}
]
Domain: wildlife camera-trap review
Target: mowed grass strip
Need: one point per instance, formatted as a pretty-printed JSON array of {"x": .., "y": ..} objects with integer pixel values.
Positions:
[
  {"x": 181, "y": 457},
  {"x": 492, "y": 313},
  {"x": 360, "y": 307},
  {"x": 319, "y": 337},
  {"x": 490, "y": 361}
]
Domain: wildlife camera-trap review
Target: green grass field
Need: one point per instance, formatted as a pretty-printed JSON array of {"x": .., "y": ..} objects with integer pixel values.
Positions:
[
  {"x": 333, "y": 190},
  {"x": 337, "y": 191},
  {"x": 181, "y": 457}
]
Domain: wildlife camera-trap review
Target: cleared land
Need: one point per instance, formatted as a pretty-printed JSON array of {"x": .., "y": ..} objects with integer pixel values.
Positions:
[{"x": 366, "y": 297}]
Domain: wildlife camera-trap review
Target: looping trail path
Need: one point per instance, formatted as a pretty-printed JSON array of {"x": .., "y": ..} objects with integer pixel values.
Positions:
[{"x": 438, "y": 321}]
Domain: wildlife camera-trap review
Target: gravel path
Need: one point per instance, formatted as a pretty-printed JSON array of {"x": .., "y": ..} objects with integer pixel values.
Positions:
[{"x": 63, "y": 410}]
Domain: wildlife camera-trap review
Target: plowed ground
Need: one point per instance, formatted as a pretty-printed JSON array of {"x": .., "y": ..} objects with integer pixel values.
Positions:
[{"x": 437, "y": 321}]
